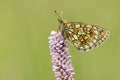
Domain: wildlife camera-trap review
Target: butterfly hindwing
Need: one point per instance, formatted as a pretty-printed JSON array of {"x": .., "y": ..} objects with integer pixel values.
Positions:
[{"x": 84, "y": 36}]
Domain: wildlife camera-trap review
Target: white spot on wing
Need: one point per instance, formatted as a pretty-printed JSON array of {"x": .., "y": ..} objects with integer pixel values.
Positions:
[
  {"x": 94, "y": 41},
  {"x": 103, "y": 39},
  {"x": 100, "y": 41},
  {"x": 86, "y": 47},
  {"x": 79, "y": 43},
  {"x": 81, "y": 47},
  {"x": 79, "y": 33},
  {"x": 75, "y": 37},
  {"x": 89, "y": 26},
  {"x": 96, "y": 32},
  {"x": 94, "y": 28},
  {"x": 75, "y": 44},
  {"x": 96, "y": 36},
  {"x": 91, "y": 44},
  {"x": 88, "y": 29},
  {"x": 68, "y": 24},
  {"x": 71, "y": 30},
  {"x": 77, "y": 26}
]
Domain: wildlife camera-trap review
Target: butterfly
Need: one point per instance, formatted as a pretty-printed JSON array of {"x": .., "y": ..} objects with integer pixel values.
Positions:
[{"x": 83, "y": 36}]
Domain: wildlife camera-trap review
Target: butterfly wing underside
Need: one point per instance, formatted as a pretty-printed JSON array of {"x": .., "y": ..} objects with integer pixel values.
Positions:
[{"x": 84, "y": 36}]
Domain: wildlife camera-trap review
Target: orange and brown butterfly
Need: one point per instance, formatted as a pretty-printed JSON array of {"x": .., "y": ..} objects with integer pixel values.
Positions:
[{"x": 84, "y": 37}]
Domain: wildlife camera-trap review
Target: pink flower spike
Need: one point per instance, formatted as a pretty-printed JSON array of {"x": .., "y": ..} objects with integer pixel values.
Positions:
[{"x": 61, "y": 58}]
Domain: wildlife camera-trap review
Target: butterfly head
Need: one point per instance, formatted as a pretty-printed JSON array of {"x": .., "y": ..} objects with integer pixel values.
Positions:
[{"x": 62, "y": 24}]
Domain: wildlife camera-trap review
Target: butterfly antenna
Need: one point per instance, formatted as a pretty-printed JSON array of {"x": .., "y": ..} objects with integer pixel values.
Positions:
[
  {"x": 62, "y": 14},
  {"x": 58, "y": 14}
]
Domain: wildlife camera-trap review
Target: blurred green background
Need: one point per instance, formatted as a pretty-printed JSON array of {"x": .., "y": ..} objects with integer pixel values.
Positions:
[{"x": 26, "y": 24}]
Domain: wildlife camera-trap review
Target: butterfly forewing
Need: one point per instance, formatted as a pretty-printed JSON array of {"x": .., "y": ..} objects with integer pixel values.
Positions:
[{"x": 85, "y": 36}]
